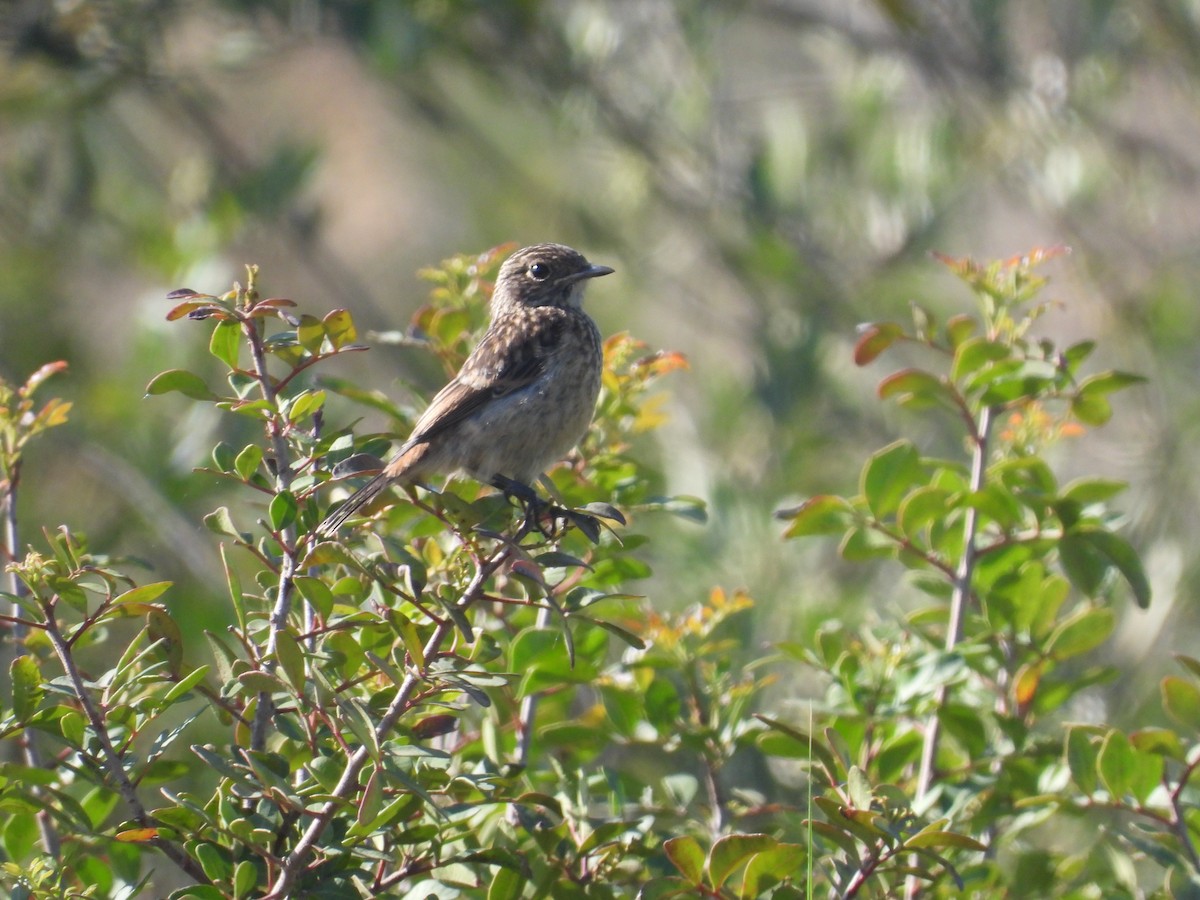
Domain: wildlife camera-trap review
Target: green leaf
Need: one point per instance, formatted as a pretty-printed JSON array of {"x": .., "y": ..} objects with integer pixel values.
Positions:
[
  {"x": 731, "y": 851},
  {"x": 791, "y": 743},
  {"x": 213, "y": 860},
  {"x": 1181, "y": 700},
  {"x": 225, "y": 342},
  {"x": 291, "y": 659},
  {"x": 282, "y": 510},
  {"x": 245, "y": 878},
  {"x": 1091, "y": 409},
  {"x": 888, "y": 476},
  {"x": 186, "y": 383},
  {"x": 862, "y": 544},
  {"x": 222, "y": 456},
  {"x": 304, "y": 405},
  {"x": 1083, "y": 631},
  {"x": 771, "y": 867},
  {"x": 1115, "y": 764},
  {"x": 920, "y": 507},
  {"x": 624, "y": 708},
  {"x": 943, "y": 840},
  {"x": 1074, "y": 355},
  {"x": 1162, "y": 741},
  {"x": 184, "y": 685},
  {"x": 1086, "y": 491},
  {"x": 220, "y": 521},
  {"x": 685, "y": 854},
  {"x": 1081, "y": 754},
  {"x": 972, "y": 355},
  {"x": 1089, "y": 553},
  {"x": 20, "y": 835},
  {"x": 310, "y": 333},
  {"x": 825, "y": 514},
  {"x": 916, "y": 389},
  {"x": 147, "y": 593},
  {"x": 1147, "y": 774},
  {"x": 858, "y": 788},
  {"x": 317, "y": 593},
  {"x": 1090, "y": 404},
  {"x": 339, "y": 325},
  {"x": 959, "y": 329},
  {"x": 507, "y": 884},
  {"x": 248, "y": 461},
  {"x": 27, "y": 691}
]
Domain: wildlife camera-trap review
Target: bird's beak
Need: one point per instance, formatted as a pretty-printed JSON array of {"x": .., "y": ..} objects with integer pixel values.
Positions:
[{"x": 589, "y": 272}]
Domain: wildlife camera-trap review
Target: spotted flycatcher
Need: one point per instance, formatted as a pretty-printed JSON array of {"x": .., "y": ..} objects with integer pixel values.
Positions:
[{"x": 524, "y": 396}]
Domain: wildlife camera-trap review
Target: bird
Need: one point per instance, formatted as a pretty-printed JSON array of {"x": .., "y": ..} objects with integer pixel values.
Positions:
[{"x": 524, "y": 396}]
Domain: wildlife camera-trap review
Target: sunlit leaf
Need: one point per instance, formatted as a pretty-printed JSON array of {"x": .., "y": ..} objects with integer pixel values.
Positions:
[
  {"x": 282, "y": 510},
  {"x": 310, "y": 333},
  {"x": 339, "y": 326},
  {"x": 186, "y": 383},
  {"x": 147, "y": 593},
  {"x": 225, "y": 342}
]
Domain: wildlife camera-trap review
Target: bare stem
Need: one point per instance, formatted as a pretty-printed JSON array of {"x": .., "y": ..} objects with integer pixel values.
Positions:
[
  {"x": 288, "y": 564},
  {"x": 16, "y": 647},
  {"x": 958, "y": 603}
]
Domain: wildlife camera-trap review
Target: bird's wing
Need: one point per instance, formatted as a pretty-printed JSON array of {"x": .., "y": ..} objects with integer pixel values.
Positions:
[{"x": 510, "y": 356}]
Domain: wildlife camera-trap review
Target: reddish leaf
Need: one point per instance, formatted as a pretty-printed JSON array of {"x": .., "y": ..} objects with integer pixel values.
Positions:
[
  {"x": 874, "y": 339},
  {"x": 34, "y": 381}
]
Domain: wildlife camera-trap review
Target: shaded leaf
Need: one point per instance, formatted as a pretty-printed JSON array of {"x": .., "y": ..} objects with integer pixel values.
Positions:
[
  {"x": 888, "y": 476},
  {"x": 1115, "y": 764},
  {"x": 1181, "y": 700},
  {"x": 731, "y": 851}
]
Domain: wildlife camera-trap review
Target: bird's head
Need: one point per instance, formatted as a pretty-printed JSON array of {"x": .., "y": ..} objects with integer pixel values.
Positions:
[{"x": 544, "y": 275}]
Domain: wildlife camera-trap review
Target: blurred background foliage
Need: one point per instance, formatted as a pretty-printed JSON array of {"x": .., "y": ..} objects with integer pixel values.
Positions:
[{"x": 764, "y": 175}]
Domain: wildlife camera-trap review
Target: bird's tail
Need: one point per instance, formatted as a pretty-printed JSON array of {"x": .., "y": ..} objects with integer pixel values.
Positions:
[{"x": 355, "y": 502}]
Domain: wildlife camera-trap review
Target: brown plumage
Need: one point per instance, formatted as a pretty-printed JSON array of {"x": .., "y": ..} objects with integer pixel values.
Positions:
[{"x": 525, "y": 395}]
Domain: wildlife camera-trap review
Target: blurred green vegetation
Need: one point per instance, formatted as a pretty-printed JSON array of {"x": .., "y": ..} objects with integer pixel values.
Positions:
[{"x": 763, "y": 176}]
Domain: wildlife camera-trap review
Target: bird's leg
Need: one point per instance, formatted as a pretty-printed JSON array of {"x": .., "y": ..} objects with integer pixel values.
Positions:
[{"x": 534, "y": 506}]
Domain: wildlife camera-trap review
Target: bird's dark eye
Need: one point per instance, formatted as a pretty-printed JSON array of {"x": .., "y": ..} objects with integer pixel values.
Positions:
[{"x": 539, "y": 271}]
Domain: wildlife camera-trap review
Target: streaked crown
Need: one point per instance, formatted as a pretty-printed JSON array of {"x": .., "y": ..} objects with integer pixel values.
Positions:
[{"x": 544, "y": 275}]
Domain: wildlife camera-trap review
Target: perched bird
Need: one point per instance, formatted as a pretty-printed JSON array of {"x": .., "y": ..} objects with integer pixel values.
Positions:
[{"x": 525, "y": 395}]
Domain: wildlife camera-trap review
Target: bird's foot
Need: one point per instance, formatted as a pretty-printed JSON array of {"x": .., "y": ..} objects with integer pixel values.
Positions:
[{"x": 540, "y": 515}]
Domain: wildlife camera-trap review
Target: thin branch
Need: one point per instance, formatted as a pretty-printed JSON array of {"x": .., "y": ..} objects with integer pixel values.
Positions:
[
  {"x": 287, "y": 537},
  {"x": 958, "y": 602},
  {"x": 348, "y": 783},
  {"x": 20, "y": 629},
  {"x": 1178, "y": 823},
  {"x": 108, "y": 753}
]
